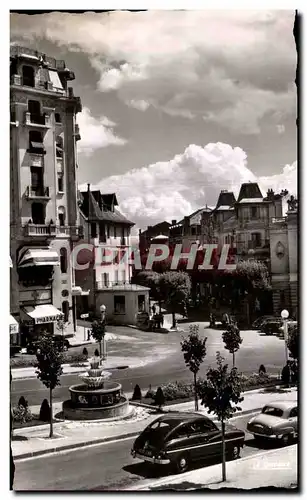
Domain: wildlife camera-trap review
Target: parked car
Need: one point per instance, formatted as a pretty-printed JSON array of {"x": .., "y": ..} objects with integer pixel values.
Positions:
[
  {"x": 59, "y": 339},
  {"x": 259, "y": 321},
  {"x": 271, "y": 326},
  {"x": 177, "y": 439},
  {"x": 277, "y": 420}
]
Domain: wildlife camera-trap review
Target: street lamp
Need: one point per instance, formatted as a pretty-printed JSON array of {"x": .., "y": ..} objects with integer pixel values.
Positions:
[
  {"x": 103, "y": 323},
  {"x": 284, "y": 316}
]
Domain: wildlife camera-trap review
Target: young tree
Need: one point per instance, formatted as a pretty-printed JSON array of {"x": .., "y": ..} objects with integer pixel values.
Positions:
[
  {"x": 232, "y": 340},
  {"x": 194, "y": 352},
  {"x": 98, "y": 332},
  {"x": 159, "y": 398},
  {"x": 61, "y": 326},
  {"x": 176, "y": 289},
  {"x": 49, "y": 366},
  {"x": 220, "y": 392}
]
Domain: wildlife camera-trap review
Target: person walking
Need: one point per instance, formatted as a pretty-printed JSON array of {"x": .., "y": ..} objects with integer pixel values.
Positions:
[{"x": 154, "y": 309}]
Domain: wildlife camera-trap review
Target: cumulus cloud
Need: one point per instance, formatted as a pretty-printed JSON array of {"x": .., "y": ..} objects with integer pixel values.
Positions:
[
  {"x": 96, "y": 133},
  {"x": 172, "y": 189},
  {"x": 233, "y": 68},
  {"x": 140, "y": 104}
]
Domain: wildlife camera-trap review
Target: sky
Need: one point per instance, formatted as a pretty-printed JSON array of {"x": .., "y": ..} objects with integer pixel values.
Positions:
[{"x": 177, "y": 105}]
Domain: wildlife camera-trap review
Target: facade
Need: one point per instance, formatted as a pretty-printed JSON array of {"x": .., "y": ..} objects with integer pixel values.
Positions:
[
  {"x": 152, "y": 232},
  {"x": 44, "y": 223},
  {"x": 109, "y": 274},
  {"x": 188, "y": 230}
]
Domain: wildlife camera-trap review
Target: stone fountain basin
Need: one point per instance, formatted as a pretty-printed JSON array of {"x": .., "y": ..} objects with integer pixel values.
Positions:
[{"x": 93, "y": 381}]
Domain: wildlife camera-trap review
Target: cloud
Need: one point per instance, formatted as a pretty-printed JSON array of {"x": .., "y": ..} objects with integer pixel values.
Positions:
[
  {"x": 96, "y": 133},
  {"x": 172, "y": 189},
  {"x": 138, "y": 104},
  {"x": 234, "y": 68}
]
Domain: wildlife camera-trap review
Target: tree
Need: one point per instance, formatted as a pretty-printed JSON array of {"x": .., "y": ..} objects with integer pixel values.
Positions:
[
  {"x": 194, "y": 352},
  {"x": 137, "y": 393},
  {"x": 49, "y": 366},
  {"x": 220, "y": 392},
  {"x": 151, "y": 280},
  {"x": 61, "y": 326},
  {"x": 232, "y": 340},
  {"x": 159, "y": 398},
  {"x": 293, "y": 341},
  {"x": 98, "y": 332},
  {"x": 176, "y": 289}
]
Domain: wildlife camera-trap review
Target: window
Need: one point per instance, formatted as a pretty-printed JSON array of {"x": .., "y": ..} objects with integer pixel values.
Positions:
[
  {"x": 108, "y": 231},
  {"x": 36, "y": 144},
  {"x": 34, "y": 109},
  {"x": 115, "y": 236},
  {"x": 93, "y": 230},
  {"x": 28, "y": 76},
  {"x": 57, "y": 118},
  {"x": 37, "y": 178},
  {"x": 61, "y": 215},
  {"x": 38, "y": 213},
  {"x": 141, "y": 303},
  {"x": 116, "y": 275},
  {"x": 102, "y": 233},
  {"x": 123, "y": 242},
  {"x": 123, "y": 276},
  {"x": 60, "y": 183},
  {"x": 105, "y": 279},
  {"x": 256, "y": 239},
  {"x": 65, "y": 310},
  {"x": 63, "y": 260},
  {"x": 59, "y": 147},
  {"x": 293, "y": 413},
  {"x": 119, "y": 304},
  {"x": 254, "y": 212},
  {"x": 271, "y": 410}
]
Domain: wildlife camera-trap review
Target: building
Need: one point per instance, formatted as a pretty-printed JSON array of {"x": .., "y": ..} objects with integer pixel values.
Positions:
[
  {"x": 44, "y": 224},
  {"x": 152, "y": 232},
  {"x": 188, "y": 230},
  {"x": 108, "y": 276}
]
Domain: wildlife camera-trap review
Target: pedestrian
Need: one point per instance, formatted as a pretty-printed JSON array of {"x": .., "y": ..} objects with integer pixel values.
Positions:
[
  {"x": 154, "y": 309},
  {"x": 285, "y": 374}
]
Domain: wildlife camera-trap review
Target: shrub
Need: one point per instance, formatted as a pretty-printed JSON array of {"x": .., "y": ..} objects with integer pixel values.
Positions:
[
  {"x": 23, "y": 402},
  {"x": 177, "y": 390},
  {"x": 85, "y": 352},
  {"x": 137, "y": 394},
  {"x": 150, "y": 393},
  {"x": 159, "y": 398},
  {"x": 21, "y": 362},
  {"x": 262, "y": 370},
  {"x": 21, "y": 414},
  {"x": 73, "y": 358},
  {"x": 96, "y": 353},
  {"x": 44, "y": 413}
]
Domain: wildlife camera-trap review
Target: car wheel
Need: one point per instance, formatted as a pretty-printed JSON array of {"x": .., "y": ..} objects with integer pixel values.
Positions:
[
  {"x": 286, "y": 439},
  {"x": 182, "y": 463}
]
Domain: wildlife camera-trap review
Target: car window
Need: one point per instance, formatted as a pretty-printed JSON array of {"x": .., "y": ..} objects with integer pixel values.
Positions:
[
  {"x": 159, "y": 425},
  {"x": 293, "y": 413},
  {"x": 271, "y": 410},
  {"x": 205, "y": 426}
]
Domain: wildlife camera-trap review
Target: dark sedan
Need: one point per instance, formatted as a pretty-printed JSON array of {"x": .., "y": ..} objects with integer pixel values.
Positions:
[{"x": 177, "y": 439}]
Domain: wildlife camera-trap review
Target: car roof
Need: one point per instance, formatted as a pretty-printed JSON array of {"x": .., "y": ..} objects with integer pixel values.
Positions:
[
  {"x": 283, "y": 405},
  {"x": 176, "y": 418}
]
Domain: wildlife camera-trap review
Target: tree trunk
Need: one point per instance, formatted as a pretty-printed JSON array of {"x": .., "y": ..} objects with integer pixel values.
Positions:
[
  {"x": 51, "y": 415},
  {"x": 223, "y": 452},
  {"x": 100, "y": 348},
  {"x": 195, "y": 393},
  {"x": 174, "y": 320},
  {"x": 233, "y": 360}
]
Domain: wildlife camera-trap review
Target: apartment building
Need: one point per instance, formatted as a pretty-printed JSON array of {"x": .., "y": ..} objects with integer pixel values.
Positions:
[
  {"x": 107, "y": 232},
  {"x": 44, "y": 223}
]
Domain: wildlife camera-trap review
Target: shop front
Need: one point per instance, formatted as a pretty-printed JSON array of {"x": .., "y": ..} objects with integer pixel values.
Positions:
[{"x": 38, "y": 320}]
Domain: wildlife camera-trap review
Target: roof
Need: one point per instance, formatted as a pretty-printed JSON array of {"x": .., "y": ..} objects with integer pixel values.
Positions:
[
  {"x": 160, "y": 237},
  {"x": 283, "y": 405},
  {"x": 226, "y": 199},
  {"x": 91, "y": 210},
  {"x": 178, "y": 416},
  {"x": 251, "y": 200},
  {"x": 249, "y": 190},
  {"x": 198, "y": 211},
  {"x": 225, "y": 207}
]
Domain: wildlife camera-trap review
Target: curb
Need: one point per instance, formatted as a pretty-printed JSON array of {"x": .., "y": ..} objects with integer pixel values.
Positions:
[{"x": 68, "y": 447}]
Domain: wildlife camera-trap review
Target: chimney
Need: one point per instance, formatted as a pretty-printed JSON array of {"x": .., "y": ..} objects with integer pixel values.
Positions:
[{"x": 174, "y": 221}]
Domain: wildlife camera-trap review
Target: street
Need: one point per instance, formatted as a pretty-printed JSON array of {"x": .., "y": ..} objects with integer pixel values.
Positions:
[
  {"x": 255, "y": 350},
  {"x": 104, "y": 467}
]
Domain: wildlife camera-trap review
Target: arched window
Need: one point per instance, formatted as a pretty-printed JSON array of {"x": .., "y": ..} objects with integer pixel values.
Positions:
[
  {"x": 28, "y": 76},
  {"x": 63, "y": 260},
  {"x": 65, "y": 310},
  {"x": 61, "y": 214}
]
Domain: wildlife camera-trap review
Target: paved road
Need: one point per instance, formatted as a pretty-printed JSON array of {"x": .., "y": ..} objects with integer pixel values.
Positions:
[
  {"x": 103, "y": 467},
  {"x": 256, "y": 349}
]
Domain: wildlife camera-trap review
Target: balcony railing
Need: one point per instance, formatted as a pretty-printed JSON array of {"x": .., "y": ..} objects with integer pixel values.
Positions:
[
  {"x": 36, "y": 160},
  {"x": 100, "y": 285},
  {"x": 37, "y": 120},
  {"x": 261, "y": 245},
  {"x": 37, "y": 192},
  {"x": 53, "y": 230},
  {"x": 18, "y": 51}
]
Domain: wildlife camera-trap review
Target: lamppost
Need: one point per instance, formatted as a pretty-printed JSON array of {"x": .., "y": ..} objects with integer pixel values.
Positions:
[
  {"x": 103, "y": 324},
  {"x": 285, "y": 315}
]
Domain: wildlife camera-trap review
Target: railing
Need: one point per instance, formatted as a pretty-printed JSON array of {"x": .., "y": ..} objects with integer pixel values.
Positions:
[
  {"x": 37, "y": 192},
  {"x": 36, "y": 119},
  {"x": 36, "y": 160},
  {"x": 253, "y": 245},
  {"x": 52, "y": 230},
  {"x": 18, "y": 51},
  {"x": 113, "y": 284},
  {"x": 278, "y": 220}
]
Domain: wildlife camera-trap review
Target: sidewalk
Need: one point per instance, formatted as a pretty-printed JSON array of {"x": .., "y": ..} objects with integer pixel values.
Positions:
[
  {"x": 276, "y": 468},
  {"x": 34, "y": 441}
]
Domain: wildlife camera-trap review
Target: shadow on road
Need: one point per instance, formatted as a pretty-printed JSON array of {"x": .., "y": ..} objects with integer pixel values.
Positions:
[{"x": 19, "y": 438}]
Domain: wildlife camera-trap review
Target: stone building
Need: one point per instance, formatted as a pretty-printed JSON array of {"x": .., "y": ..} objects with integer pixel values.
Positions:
[
  {"x": 44, "y": 224},
  {"x": 152, "y": 232},
  {"x": 108, "y": 277}
]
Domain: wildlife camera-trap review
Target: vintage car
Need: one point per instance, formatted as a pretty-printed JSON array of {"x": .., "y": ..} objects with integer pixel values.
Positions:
[
  {"x": 277, "y": 420},
  {"x": 176, "y": 439}
]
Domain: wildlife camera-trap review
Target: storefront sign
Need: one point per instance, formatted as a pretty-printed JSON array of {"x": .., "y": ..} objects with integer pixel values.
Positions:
[
  {"x": 13, "y": 329},
  {"x": 47, "y": 319}
]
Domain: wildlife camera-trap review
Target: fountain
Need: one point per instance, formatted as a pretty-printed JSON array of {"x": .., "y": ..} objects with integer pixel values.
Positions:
[{"x": 96, "y": 398}]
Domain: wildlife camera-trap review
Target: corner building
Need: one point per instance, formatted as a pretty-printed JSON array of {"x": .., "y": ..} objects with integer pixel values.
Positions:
[{"x": 44, "y": 224}]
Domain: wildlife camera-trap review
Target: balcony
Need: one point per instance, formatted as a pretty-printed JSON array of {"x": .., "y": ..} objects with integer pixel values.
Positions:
[
  {"x": 77, "y": 132},
  {"x": 261, "y": 246},
  {"x": 36, "y": 160},
  {"x": 36, "y": 120},
  {"x": 48, "y": 230},
  {"x": 115, "y": 285},
  {"x": 35, "y": 193}
]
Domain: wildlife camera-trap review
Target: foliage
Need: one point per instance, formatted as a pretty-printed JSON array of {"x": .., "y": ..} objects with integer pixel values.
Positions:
[
  {"x": 85, "y": 352},
  {"x": 23, "y": 402},
  {"x": 151, "y": 280},
  {"x": 45, "y": 411},
  {"x": 98, "y": 330},
  {"x": 232, "y": 339},
  {"x": 221, "y": 391},
  {"x": 285, "y": 374},
  {"x": 177, "y": 390},
  {"x": 159, "y": 398},
  {"x": 251, "y": 275},
  {"x": 175, "y": 288},
  {"x": 262, "y": 370},
  {"x": 49, "y": 361},
  {"x": 137, "y": 394},
  {"x": 96, "y": 353},
  {"x": 293, "y": 341},
  {"x": 21, "y": 362},
  {"x": 150, "y": 393},
  {"x": 21, "y": 414}
]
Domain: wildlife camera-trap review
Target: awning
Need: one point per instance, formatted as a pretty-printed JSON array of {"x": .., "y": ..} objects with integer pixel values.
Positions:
[
  {"x": 54, "y": 78},
  {"x": 77, "y": 290},
  {"x": 37, "y": 145},
  {"x": 39, "y": 257},
  {"x": 46, "y": 313},
  {"x": 14, "y": 326}
]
